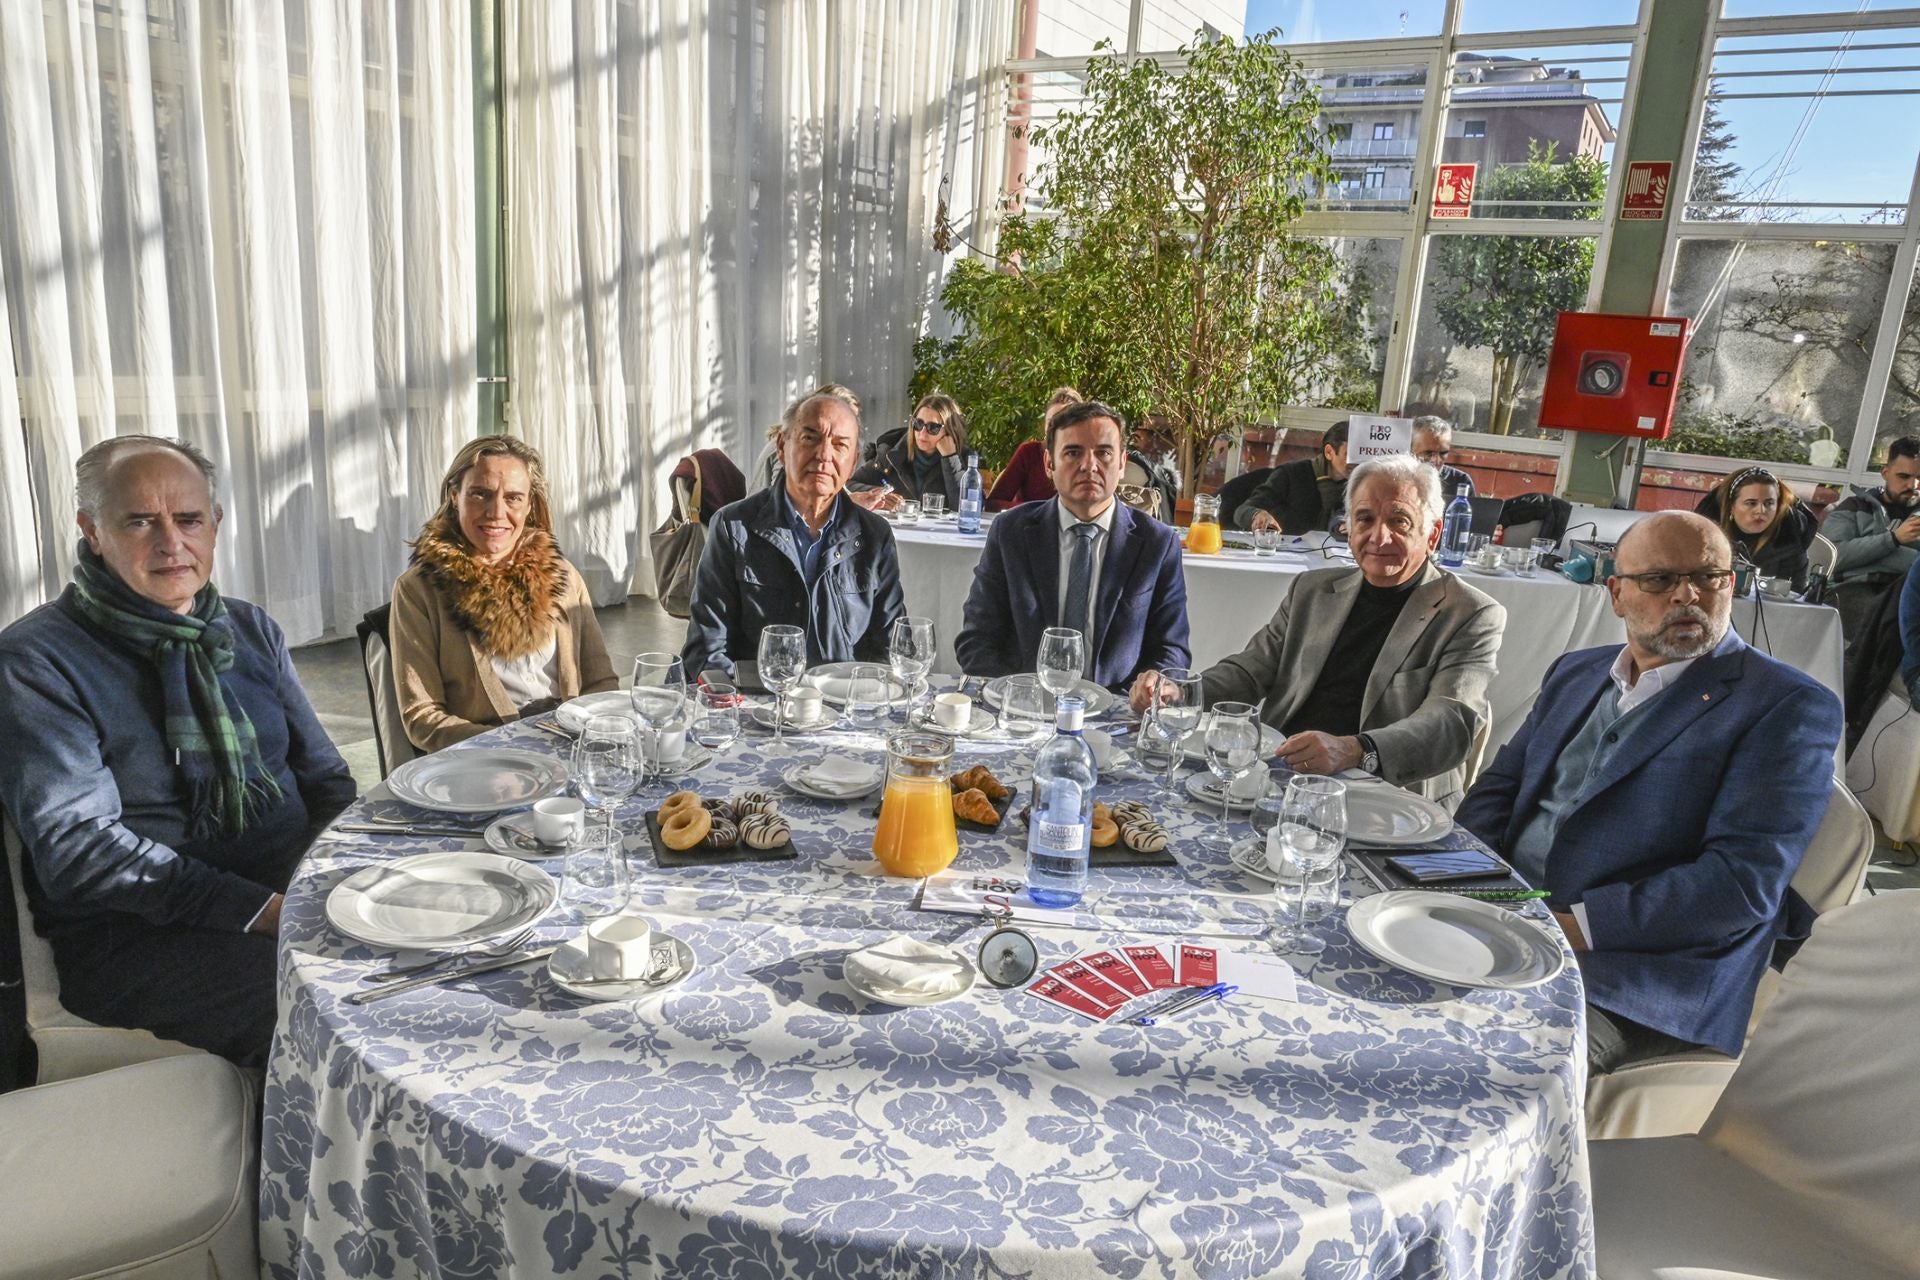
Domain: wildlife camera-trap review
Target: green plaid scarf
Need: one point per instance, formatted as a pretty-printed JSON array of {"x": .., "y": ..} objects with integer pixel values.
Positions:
[{"x": 208, "y": 730}]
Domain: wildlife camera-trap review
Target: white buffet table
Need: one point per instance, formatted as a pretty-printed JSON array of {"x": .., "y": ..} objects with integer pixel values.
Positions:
[{"x": 1233, "y": 594}]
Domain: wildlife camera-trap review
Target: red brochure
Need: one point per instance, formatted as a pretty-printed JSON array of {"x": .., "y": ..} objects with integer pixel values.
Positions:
[
  {"x": 1117, "y": 971},
  {"x": 1068, "y": 996},
  {"x": 1199, "y": 966},
  {"x": 1108, "y": 995},
  {"x": 1151, "y": 964}
]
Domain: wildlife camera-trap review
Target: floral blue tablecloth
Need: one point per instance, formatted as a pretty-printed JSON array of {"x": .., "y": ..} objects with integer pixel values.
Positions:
[{"x": 760, "y": 1120}]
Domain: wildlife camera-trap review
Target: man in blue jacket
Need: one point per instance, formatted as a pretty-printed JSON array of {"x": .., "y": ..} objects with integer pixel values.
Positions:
[
  {"x": 1664, "y": 793},
  {"x": 1080, "y": 560},
  {"x": 161, "y": 763},
  {"x": 801, "y": 552}
]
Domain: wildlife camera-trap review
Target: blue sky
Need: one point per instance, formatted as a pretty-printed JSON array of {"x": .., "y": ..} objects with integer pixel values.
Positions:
[{"x": 1851, "y": 149}]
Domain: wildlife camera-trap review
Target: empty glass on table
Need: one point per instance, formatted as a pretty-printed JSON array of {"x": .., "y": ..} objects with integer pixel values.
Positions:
[
  {"x": 869, "y": 696},
  {"x": 606, "y": 769},
  {"x": 1062, "y": 657},
  {"x": 1173, "y": 716},
  {"x": 1233, "y": 750},
  {"x": 1308, "y": 842},
  {"x": 659, "y": 697},
  {"x": 783, "y": 664},
  {"x": 1023, "y": 708},
  {"x": 911, "y": 649},
  {"x": 716, "y": 716}
]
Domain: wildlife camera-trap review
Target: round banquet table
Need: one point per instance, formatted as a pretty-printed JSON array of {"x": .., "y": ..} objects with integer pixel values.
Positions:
[
  {"x": 760, "y": 1120},
  {"x": 1233, "y": 594}
]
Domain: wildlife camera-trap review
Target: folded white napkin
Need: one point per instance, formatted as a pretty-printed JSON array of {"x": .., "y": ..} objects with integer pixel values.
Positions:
[
  {"x": 908, "y": 967},
  {"x": 841, "y": 773}
]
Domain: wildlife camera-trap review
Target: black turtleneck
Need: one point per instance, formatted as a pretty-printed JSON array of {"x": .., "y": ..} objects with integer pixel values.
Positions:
[{"x": 1334, "y": 705}]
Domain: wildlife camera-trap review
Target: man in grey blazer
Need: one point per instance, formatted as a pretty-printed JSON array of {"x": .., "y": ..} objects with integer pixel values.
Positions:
[{"x": 1384, "y": 666}]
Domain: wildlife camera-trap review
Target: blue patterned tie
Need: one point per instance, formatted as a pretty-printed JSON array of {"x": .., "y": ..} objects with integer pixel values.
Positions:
[{"x": 1080, "y": 580}]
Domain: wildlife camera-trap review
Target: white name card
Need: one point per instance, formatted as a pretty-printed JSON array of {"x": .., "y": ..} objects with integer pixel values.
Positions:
[{"x": 1376, "y": 436}]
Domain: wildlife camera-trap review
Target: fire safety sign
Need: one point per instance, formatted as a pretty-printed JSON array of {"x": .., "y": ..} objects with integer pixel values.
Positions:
[
  {"x": 1453, "y": 191},
  {"x": 1648, "y": 183}
]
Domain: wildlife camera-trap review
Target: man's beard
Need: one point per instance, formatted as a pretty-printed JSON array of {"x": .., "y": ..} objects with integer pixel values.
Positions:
[
  {"x": 1673, "y": 649},
  {"x": 1904, "y": 505}
]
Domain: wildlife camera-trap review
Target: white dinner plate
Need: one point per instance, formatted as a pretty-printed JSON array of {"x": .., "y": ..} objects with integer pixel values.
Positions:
[
  {"x": 1459, "y": 941},
  {"x": 570, "y": 972},
  {"x": 859, "y": 988},
  {"x": 797, "y": 778},
  {"x": 1195, "y": 748},
  {"x": 1097, "y": 698},
  {"x": 440, "y": 899},
  {"x": 477, "y": 780},
  {"x": 832, "y": 679},
  {"x": 1205, "y": 788},
  {"x": 573, "y": 715},
  {"x": 1386, "y": 816}
]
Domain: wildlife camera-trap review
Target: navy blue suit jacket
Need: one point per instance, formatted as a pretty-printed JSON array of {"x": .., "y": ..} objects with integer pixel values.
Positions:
[
  {"x": 1139, "y": 613},
  {"x": 1683, "y": 854}
]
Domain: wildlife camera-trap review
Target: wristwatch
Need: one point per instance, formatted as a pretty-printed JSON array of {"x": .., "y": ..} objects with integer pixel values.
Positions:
[{"x": 1369, "y": 755}]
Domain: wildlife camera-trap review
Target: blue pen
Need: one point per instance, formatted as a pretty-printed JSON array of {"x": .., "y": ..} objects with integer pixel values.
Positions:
[{"x": 1180, "y": 1004}]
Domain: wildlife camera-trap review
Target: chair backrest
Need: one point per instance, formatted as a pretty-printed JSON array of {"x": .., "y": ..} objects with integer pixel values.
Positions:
[
  {"x": 1822, "y": 553},
  {"x": 1834, "y": 870},
  {"x": 389, "y": 730},
  {"x": 67, "y": 1044},
  {"x": 1820, "y": 1104},
  {"x": 1486, "y": 514}
]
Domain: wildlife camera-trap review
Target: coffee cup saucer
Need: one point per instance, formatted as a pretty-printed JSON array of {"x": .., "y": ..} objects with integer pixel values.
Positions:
[
  {"x": 980, "y": 719},
  {"x": 572, "y": 972}
]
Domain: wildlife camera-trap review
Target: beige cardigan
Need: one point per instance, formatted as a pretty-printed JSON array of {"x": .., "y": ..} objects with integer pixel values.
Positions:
[{"x": 445, "y": 682}]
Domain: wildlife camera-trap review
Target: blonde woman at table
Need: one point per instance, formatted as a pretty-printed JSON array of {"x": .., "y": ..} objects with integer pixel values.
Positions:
[
  {"x": 1382, "y": 667},
  {"x": 929, "y": 461},
  {"x": 490, "y": 622}
]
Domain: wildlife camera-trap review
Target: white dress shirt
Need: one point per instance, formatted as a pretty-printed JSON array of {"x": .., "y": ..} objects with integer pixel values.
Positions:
[{"x": 1067, "y": 520}]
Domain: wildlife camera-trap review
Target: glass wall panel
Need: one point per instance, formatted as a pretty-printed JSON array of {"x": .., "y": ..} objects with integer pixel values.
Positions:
[
  {"x": 1317, "y": 21},
  {"x": 1367, "y": 296},
  {"x": 1783, "y": 333},
  {"x": 1068, "y": 28},
  {"x": 1540, "y": 126},
  {"x": 1373, "y": 118},
  {"x": 1170, "y": 24},
  {"x": 1900, "y": 413},
  {"x": 1531, "y": 15},
  {"x": 1486, "y": 324}
]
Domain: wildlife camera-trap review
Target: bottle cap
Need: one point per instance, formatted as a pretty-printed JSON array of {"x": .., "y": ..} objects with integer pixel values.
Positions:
[{"x": 1069, "y": 713}]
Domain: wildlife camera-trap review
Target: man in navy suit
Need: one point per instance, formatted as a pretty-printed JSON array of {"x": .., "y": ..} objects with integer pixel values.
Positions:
[
  {"x": 1663, "y": 793},
  {"x": 1080, "y": 560}
]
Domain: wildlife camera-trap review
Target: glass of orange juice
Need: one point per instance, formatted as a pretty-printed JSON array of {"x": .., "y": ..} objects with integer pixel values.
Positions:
[
  {"x": 1203, "y": 532},
  {"x": 916, "y": 835}
]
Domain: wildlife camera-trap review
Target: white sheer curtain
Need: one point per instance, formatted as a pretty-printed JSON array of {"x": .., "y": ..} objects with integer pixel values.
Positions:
[
  {"x": 714, "y": 207},
  {"x": 248, "y": 224}
]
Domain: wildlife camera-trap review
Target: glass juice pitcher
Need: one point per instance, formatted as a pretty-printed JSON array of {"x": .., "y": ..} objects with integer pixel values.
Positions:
[
  {"x": 916, "y": 835},
  {"x": 1203, "y": 533}
]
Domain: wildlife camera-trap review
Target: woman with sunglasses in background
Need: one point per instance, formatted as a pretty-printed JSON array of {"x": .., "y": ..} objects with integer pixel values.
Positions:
[
  {"x": 928, "y": 461},
  {"x": 1766, "y": 523}
]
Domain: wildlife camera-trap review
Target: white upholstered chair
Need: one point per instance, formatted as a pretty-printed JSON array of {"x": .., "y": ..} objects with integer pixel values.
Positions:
[
  {"x": 1673, "y": 1094},
  {"x": 376, "y": 659},
  {"x": 146, "y": 1171},
  {"x": 67, "y": 1044},
  {"x": 1884, "y": 769},
  {"x": 1808, "y": 1165}
]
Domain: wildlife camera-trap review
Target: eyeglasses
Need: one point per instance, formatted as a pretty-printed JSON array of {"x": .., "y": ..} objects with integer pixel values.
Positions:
[
  {"x": 926, "y": 428},
  {"x": 1434, "y": 455},
  {"x": 1661, "y": 582}
]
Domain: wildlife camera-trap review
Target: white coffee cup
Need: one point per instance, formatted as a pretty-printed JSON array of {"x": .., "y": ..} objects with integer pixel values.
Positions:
[
  {"x": 559, "y": 820},
  {"x": 805, "y": 705},
  {"x": 620, "y": 946},
  {"x": 952, "y": 711}
]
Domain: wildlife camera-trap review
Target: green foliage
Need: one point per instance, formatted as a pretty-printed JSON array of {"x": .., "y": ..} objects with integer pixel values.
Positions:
[
  {"x": 1730, "y": 435},
  {"x": 1163, "y": 275},
  {"x": 1503, "y": 292}
]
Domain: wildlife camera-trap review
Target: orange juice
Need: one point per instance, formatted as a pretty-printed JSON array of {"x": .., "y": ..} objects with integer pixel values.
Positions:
[
  {"x": 1203, "y": 539},
  {"x": 916, "y": 836}
]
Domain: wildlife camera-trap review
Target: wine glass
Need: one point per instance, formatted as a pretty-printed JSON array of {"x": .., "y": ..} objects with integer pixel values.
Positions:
[
  {"x": 867, "y": 696},
  {"x": 659, "y": 699},
  {"x": 606, "y": 770},
  {"x": 716, "y": 717},
  {"x": 1233, "y": 749},
  {"x": 911, "y": 649},
  {"x": 783, "y": 661},
  {"x": 1174, "y": 714},
  {"x": 1063, "y": 656},
  {"x": 1313, "y": 834}
]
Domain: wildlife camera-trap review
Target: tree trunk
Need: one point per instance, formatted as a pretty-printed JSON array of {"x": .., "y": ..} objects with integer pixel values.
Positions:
[{"x": 1189, "y": 470}]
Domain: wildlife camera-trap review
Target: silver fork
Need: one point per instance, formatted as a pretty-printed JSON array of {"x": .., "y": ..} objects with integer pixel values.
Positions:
[{"x": 482, "y": 952}]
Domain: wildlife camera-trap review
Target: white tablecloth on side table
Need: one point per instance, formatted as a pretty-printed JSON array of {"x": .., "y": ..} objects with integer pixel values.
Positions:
[{"x": 1232, "y": 595}]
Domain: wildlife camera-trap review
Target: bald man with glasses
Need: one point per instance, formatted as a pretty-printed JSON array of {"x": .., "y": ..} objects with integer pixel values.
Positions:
[{"x": 1663, "y": 793}]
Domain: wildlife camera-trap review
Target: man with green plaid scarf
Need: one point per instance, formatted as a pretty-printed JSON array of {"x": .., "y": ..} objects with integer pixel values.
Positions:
[{"x": 161, "y": 763}]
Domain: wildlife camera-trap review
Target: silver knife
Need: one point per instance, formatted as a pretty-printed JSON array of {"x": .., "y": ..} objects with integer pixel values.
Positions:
[
  {"x": 449, "y": 975},
  {"x": 390, "y": 829}
]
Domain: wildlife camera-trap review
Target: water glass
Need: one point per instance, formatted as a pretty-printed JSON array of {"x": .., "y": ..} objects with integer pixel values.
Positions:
[
  {"x": 933, "y": 505},
  {"x": 595, "y": 879},
  {"x": 1542, "y": 548},
  {"x": 1023, "y": 708},
  {"x": 782, "y": 662},
  {"x": 868, "y": 696},
  {"x": 1520, "y": 561},
  {"x": 1062, "y": 657},
  {"x": 716, "y": 717},
  {"x": 1173, "y": 717},
  {"x": 908, "y": 512},
  {"x": 1265, "y": 815},
  {"x": 659, "y": 700},
  {"x": 1309, "y": 839},
  {"x": 911, "y": 649},
  {"x": 1266, "y": 542},
  {"x": 1233, "y": 748},
  {"x": 606, "y": 769}
]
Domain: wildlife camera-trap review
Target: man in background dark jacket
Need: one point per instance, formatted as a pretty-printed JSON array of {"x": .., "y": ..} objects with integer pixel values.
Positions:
[{"x": 1300, "y": 496}]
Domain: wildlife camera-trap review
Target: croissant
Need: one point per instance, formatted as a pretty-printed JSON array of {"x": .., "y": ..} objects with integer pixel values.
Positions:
[
  {"x": 973, "y": 805},
  {"x": 980, "y": 778}
]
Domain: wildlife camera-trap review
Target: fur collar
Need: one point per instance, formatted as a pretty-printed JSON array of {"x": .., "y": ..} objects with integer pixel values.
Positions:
[{"x": 511, "y": 608}]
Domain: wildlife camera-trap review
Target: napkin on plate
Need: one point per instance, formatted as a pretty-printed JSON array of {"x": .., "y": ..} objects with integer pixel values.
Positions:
[
  {"x": 908, "y": 967},
  {"x": 843, "y": 775}
]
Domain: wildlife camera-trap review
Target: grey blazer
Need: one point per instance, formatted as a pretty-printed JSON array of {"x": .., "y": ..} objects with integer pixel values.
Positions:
[{"x": 1426, "y": 702}]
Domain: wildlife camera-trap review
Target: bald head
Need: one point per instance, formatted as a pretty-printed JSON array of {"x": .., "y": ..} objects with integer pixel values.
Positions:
[{"x": 1672, "y": 540}]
